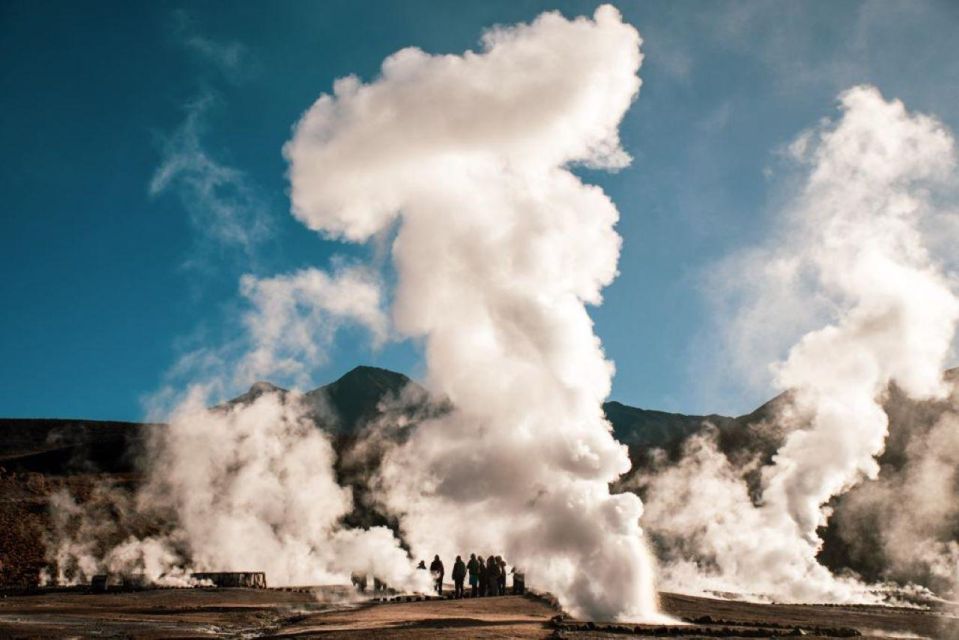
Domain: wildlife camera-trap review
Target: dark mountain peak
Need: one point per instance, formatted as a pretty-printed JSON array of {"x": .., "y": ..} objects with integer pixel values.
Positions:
[
  {"x": 356, "y": 396},
  {"x": 262, "y": 386},
  {"x": 351, "y": 400},
  {"x": 650, "y": 428},
  {"x": 257, "y": 389},
  {"x": 365, "y": 375}
]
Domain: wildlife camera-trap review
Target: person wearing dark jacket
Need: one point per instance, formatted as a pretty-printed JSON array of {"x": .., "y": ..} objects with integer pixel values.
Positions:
[
  {"x": 472, "y": 567},
  {"x": 482, "y": 577},
  {"x": 459, "y": 574},
  {"x": 519, "y": 582},
  {"x": 492, "y": 576},
  {"x": 437, "y": 571},
  {"x": 502, "y": 575}
]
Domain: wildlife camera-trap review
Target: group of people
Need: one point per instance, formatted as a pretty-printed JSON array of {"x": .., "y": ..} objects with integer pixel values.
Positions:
[{"x": 486, "y": 577}]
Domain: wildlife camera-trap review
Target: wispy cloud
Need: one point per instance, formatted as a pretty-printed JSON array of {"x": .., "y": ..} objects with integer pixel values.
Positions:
[
  {"x": 231, "y": 58},
  {"x": 295, "y": 316},
  {"x": 806, "y": 49},
  {"x": 285, "y": 327},
  {"x": 223, "y": 206}
]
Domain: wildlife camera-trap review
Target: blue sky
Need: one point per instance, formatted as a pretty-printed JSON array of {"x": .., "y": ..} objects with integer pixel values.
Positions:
[{"x": 111, "y": 273}]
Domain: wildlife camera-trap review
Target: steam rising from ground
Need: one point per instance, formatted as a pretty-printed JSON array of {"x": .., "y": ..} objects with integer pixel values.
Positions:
[
  {"x": 855, "y": 239},
  {"x": 247, "y": 486},
  {"x": 498, "y": 248},
  {"x": 253, "y": 484},
  {"x": 905, "y": 524}
]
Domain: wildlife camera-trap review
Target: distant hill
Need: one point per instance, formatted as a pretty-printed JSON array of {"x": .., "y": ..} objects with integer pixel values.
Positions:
[
  {"x": 342, "y": 407},
  {"x": 39, "y": 456},
  {"x": 648, "y": 428},
  {"x": 345, "y": 405},
  {"x": 356, "y": 397},
  {"x": 60, "y": 446}
]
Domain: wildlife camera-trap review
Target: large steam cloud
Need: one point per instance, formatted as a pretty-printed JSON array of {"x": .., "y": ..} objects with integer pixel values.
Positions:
[
  {"x": 855, "y": 240},
  {"x": 247, "y": 485},
  {"x": 253, "y": 485},
  {"x": 498, "y": 249},
  {"x": 903, "y": 525}
]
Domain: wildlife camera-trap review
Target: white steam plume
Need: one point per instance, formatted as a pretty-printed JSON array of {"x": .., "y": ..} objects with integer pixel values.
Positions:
[
  {"x": 285, "y": 334},
  {"x": 855, "y": 230},
  {"x": 904, "y": 525},
  {"x": 865, "y": 201},
  {"x": 295, "y": 317},
  {"x": 252, "y": 487},
  {"x": 247, "y": 486},
  {"x": 498, "y": 249}
]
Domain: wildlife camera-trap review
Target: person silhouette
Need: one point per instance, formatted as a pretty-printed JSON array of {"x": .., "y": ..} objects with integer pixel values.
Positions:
[
  {"x": 437, "y": 571},
  {"x": 482, "y": 576},
  {"x": 501, "y": 577},
  {"x": 473, "y": 568},
  {"x": 459, "y": 575},
  {"x": 492, "y": 576}
]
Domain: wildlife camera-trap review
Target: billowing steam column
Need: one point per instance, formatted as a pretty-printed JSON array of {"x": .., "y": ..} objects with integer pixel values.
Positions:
[
  {"x": 498, "y": 249},
  {"x": 866, "y": 240}
]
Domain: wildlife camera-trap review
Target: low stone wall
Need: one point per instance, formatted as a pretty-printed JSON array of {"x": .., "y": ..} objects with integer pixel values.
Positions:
[{"x": 248, "y": 579}]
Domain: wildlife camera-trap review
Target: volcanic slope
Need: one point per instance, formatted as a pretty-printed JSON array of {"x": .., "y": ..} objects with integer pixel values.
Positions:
[{"x": 40, "y": 456}]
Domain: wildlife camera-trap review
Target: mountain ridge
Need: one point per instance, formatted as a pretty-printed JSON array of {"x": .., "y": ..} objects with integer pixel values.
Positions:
[
  {"x": 343, "y": 407},
  {"x": 43, "y": 455}
]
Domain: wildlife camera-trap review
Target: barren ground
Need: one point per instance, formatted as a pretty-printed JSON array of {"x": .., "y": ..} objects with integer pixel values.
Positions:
[{"x": 249, "y": 613}]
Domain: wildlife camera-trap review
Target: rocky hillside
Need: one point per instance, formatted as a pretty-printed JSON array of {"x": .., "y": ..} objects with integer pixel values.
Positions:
[
  {"x": 77, "y": 446},
  {"x": 38, "y": 457},
  {"x": 343, "y": 408},
  {"x": 41, "y": 456}
]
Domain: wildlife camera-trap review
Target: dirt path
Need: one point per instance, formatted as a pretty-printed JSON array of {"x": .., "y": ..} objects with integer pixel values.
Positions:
[
  {"x": 504, "y": 617},
  {"x": 168, "y": 613},
  {"x": 254, "y": 613}
]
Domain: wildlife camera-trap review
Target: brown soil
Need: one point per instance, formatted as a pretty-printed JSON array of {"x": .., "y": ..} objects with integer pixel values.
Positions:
[
  {"x": 253, "y": 613},
  {"x": 504, "y": 617}
]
